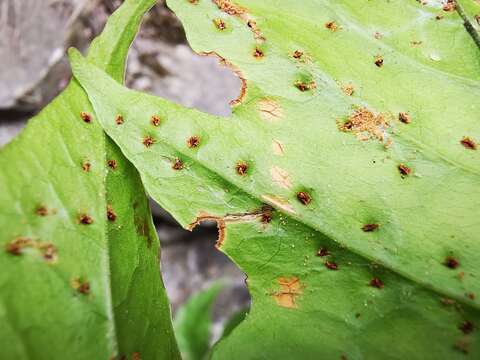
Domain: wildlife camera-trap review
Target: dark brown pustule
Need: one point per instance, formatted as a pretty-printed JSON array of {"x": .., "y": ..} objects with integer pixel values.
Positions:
[
  {"x": 322, "y": 252},
  {"x": 377, "y": 283},
  {"x": 304, "y": 197},
  {"x": 119, "y": 119},
  {"x": 332, "y": 26},
  {"x": 111, "y": 215},
  {"x": 148, "y": 141},
  {"x": 112, "y": 164},
  {"x": 41, "y": 210},
  {"x": 85, "y": 219},
  {"x": 193, "y": 142},
  {"x": 331, "y": 265},
  {"x": 258, "y": 53},
  {"x": 220, "y": 24},
  {"x": 451, "y": 262},
  {"x": 466, "y": 327},
  {"x": 86, "y": 116},
  {"x": 84, "y": 288},
  {"x": 86, "y": 166},
  {"x": 267, "y": 214},
  {"x": 177, "y": 164},
  {"x": 241, "y": 168},
  {"x": 297, "y": 54},
  {"x": 404, "y": 118},
  {"x": 468, "y": 143},
  {"x": 304, "y": 86},
  {"x": 155, "y": 120},
  {"x": 379, "y": 61},
  {"x": 404, "y": 170},
  {"x": 370, "y": 227}
]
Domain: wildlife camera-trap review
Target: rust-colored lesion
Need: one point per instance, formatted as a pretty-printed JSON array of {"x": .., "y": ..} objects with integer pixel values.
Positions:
[
  {"x": 290, "y": 289},
  {"x": 222, "y": 221},
  {"x": 19, "y": 245},
  {"x": 236, "y": 71},
  {"x": 230, "y": 8},
  {"x": 366, "y": 125}
]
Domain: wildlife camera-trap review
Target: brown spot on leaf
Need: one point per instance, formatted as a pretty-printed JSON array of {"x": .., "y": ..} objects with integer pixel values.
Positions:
[
  {"x": 331, "y": 265},
  {"x": 439, "y": 17},
  {"x": 229, "y": 7},
  {"x": 41, "y": 210},
  {"x": 466, "y": 327},
  {"x": 370, "y": 227},
  {"x": 111, "y": 216},
  {"x": 193, "y": 142},
  {"x": 16, "y": 246},
  {"x": 304, "y": 197},
  {"x": 85, "y": 219},
  {"x": 366, "y": 125},
  {"x": 451, "y": 262},
  {"x": 322, "y": 252},
  {"x": 305, "y": 86},
  {"x": 193, "y": 2},
  {"x": 468, "y": 143},
  {"x": 471, "y": 296},
  {"x": 280, "y": 177},
  {"x": 477, "y": 19},
  {"x": 332, "y": 26},
  {"x": 404, "y": 118},
  {"x": 136, "y": 356},
  {"x": 290, "y": 289},
  {"x": 258, "y": 53},
  {"x": 46, "y": 249},
  {"x": 267, "y": 214},
  {"x": 220, "y": 24},
  {"x": 449, "y": 6},
  {"x": 241, "y": 168},
  {"x": 148, "y": 141},
  {"x": 269, "y": 109},
  {"x": 404, "y": 170},
  {"x": 177, "y": 164},
  {"x": 82, "y": 286},
  {"x": 377, "y": 35},
  {"x": 112, "y": 164},
  {"x": 297, "y": 54},
  {"x": 119, "y": 119},
  {"x": 377, "y": 283},
  {"x": 86, "y": 166},
  {"x": 379, "y": 60},
  {"x": 155, "y": 120},
  {"x": 348, "y": 89},
  {"x": 86, "y": 116}
]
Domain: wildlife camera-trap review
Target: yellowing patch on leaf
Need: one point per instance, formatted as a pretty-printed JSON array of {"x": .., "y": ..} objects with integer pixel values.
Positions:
[
  {"x": 280, "y": 177},
  {"x": 290, "y": 289},
  {"x": 279, "y": 203},
  {"x": 269, "y": 109}
]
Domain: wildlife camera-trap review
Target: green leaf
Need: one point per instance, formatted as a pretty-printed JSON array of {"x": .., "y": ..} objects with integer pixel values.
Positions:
[
  {"x": 193, "y": 324},
  {"x": 75, "y": 283},
  {"x": 392, "y": 198}
]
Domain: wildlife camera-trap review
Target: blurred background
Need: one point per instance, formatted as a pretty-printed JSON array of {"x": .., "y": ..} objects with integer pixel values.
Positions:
[{"x": 34, "y": 70}]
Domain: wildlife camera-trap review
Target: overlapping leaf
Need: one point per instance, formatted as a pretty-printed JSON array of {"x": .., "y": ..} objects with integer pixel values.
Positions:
[
  {"x": 357, "y": 126},
  {"x": 80, "y": 254}
]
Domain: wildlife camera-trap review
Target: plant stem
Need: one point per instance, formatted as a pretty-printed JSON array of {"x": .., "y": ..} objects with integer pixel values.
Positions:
[{"x": 468, "y": 24}]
